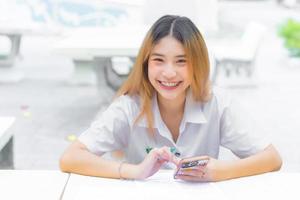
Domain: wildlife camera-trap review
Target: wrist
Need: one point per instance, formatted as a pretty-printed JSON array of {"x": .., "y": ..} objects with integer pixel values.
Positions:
[
  {"x": 128, "y": 171},
  {"x": 230, "y": 171},
  {"x": 225, "y": 171}
]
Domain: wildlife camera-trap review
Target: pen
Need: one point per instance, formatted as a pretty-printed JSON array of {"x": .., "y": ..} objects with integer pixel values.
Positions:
[{"x": 172, "y": 149}]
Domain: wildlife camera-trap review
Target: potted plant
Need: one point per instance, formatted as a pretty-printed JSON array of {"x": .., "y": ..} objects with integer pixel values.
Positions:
[{"x": 290, "y": 32}]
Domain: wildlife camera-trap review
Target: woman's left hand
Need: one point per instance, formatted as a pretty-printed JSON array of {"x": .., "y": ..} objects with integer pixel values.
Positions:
[{"x": 214, "y": 170}]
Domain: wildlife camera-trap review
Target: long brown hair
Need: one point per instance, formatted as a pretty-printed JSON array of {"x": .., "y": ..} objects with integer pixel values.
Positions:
[{"x": 184, "y": 30}]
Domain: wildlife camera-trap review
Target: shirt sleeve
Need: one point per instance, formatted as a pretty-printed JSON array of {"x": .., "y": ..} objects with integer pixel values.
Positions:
[
  {"x": 239, "y": 132},
  {"x": 110, "y": 131}
]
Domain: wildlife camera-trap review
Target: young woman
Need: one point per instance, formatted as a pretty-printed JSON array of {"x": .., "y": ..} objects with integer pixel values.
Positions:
[{"x": 167, "y": 102}]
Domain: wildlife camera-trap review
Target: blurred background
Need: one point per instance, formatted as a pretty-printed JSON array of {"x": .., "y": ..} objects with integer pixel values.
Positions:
[{"x": 61, "y": 62}]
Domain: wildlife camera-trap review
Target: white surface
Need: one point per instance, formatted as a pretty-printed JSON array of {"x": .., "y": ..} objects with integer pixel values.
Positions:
[
  {"x": 243, "y": 50},
  {"x": 276, "y": 185},
  {"x": 5, "y": 123},
  {"x": 31, "y": 185},
  {"x": 5, "y": 45},
  {"x": 87, "y": 43},
  {"x": 162, "y": 186},
  {"x": 10, "y": 75},
  {"x": 202, "y": 12},
  {"x": 24, "y": 28}
]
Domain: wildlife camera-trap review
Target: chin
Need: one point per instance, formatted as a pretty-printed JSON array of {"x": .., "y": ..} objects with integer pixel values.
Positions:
[{"x": 169, "y": 95}]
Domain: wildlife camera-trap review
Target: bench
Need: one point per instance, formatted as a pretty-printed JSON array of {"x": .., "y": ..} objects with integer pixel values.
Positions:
[
  {"x": 6, "y": 143},
  {"x": 239, "y": 55},
  {"x": 13, "y": 33},
  {"x": 97, "y": 49}
]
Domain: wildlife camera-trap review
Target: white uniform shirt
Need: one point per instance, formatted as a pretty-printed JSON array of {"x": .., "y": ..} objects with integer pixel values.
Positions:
[{"x": 203, "y": 129}]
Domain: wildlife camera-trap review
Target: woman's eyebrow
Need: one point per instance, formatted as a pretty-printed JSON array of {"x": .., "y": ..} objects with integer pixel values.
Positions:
[
  {"x": 157, "y": 54},
  {"x": 161, "y": 55}
]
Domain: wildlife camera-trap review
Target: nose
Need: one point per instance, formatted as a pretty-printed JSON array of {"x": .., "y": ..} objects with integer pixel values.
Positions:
[{"x": 169, "y": 71}]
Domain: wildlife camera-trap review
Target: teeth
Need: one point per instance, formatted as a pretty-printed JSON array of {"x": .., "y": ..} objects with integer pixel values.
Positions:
[{"x": 169, "y": 84}]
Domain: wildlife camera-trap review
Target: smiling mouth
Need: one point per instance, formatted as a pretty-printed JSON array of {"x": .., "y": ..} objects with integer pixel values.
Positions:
[{"x": 169, "y": 85}]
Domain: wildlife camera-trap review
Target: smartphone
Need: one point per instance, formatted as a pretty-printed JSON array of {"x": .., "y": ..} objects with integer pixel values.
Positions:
[
  {"x": 194, "y": 163},
  {"x": 191, "y": 164}
]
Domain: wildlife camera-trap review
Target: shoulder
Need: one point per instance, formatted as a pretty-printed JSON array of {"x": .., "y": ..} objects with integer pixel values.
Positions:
[
  {"x": 221, "y": 98},
  {"x": 128, "y": 105},
  {"x": 126, "y": 101}
]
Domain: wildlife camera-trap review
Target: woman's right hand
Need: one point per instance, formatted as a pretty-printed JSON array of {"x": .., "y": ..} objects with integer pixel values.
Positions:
[{"x": 154, "y": 160}]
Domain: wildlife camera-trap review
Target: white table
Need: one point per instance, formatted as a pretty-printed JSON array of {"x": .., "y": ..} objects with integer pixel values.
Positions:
[
  {"x": 86, "y": 44},
  {"x": 6, "y": 142},
  {"x": 162, "y": 186},
  {"x": 32, "y": 185},
  {"x": 14, "y": 30},
  {"x": 275, "y": 185},
  {"x": 56, "y": 185}
]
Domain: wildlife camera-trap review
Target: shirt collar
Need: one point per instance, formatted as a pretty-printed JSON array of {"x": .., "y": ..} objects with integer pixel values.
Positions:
[
  {"x": 193, "y": 112},
  {"x": 156, "y": 114}
]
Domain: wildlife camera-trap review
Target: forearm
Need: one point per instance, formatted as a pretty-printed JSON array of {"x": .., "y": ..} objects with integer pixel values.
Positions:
[
  {"x": 83, "y": 162},
  {"x": 265, "y": 161}
]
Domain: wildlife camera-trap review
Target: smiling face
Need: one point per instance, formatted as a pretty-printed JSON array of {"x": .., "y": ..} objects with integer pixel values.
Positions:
[{"x": 168, "y": 69}]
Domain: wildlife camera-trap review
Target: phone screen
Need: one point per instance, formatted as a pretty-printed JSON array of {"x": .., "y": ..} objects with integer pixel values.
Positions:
[{"x": 192, "y": 164}]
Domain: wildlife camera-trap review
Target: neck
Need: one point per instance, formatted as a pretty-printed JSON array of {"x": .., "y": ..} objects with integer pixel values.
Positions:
[{"x": 173, "y": 107}]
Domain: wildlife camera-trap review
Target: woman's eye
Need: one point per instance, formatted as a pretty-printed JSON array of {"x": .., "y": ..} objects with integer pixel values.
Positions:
[
  {"x": 158, "y": 59},
  {"x": 181, "y": 61}
]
